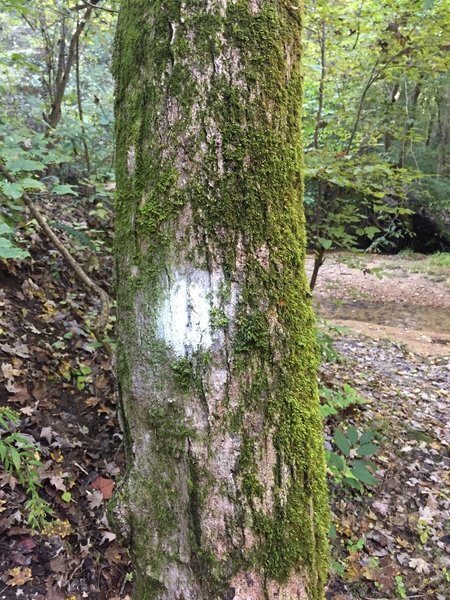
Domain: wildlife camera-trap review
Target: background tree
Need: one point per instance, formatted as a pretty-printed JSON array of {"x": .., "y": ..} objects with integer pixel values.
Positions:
[
  {"x": 225, "y": 493},
  {"x": 376, "y": 80}
]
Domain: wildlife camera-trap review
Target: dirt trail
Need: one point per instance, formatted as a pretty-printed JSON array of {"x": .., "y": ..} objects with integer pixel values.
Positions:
[{"x": 380, "y": 297}]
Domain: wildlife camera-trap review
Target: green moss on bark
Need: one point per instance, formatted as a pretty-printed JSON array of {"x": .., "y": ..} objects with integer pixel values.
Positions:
[{"x": 208, "y": 119}]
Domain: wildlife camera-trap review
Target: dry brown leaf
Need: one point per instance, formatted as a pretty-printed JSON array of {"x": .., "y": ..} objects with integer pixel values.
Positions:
[
  {"x": 105, "y": 486},
  {"x": 19, "y": 576}
]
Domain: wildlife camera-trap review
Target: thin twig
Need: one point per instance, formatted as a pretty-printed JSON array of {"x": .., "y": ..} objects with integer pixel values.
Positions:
[{"x": 103, "y": 315}]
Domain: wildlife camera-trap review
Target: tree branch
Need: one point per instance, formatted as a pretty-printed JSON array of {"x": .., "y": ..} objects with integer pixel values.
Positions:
[{"x": 103, "y": 315}]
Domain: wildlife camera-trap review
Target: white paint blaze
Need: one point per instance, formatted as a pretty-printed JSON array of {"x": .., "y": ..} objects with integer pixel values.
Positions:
[{"x": 184, "y": 318}]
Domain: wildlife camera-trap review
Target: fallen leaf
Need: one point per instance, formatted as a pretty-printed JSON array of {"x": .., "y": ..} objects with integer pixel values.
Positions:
[
  {"x": 95, "y": 499},
  {"x": 19, "y": 576},
  {"x": 57, "y": 482},
  {"x": 9, "y": 372},
  {"x": 105, "y": 486},
  {"x": 108, "y": 536},
  {"x": 92, "y": 401},
  {"x": 57, "y": 528},
  {"x": 46, "y": 434},
  {"x": 419, "y": 565},
  {"x": 21, "y": 350}
]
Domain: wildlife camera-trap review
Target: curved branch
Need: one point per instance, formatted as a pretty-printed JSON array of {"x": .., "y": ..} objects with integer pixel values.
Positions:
[{"x": 103, "y": 315}]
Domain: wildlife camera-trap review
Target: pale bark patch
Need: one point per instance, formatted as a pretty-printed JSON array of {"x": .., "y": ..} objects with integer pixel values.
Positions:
[
  {"x": 131, "y": 160},
  {"x": 250, "y": 586}
]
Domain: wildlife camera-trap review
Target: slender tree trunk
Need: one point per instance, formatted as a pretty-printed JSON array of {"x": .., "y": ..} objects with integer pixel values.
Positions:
[
  {"x": 64, "y": 67},
  {"x": 411, "y": 111},
  {"x": 323, "y": 72},
  {"x": 87, "y": 159},
  {"x": 443, "y": 100},
  {"x": 225, "y": 495}
]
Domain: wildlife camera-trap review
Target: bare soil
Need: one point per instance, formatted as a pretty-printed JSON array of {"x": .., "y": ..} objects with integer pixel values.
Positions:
[{"x": 381, "y": 297}]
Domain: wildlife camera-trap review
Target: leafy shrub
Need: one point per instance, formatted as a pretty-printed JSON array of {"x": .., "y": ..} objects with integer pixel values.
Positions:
[
  {"x": 334, "y": 401},
  {"x": 325, "y": 342},
  {"x": 350, "y": 465},
  {"x": 20, "y": 457},
  {"x": 7, "y": 248}
]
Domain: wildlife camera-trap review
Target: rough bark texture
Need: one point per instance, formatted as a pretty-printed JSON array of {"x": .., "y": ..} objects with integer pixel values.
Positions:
[{"x": 225, "y": 494}]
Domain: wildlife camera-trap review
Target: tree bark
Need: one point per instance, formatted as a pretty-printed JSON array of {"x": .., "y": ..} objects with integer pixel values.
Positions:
[{"x": 225, "y": 493}]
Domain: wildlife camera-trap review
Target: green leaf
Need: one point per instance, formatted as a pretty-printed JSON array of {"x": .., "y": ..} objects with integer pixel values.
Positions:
[
  {"x": 342, "y": 442},
  {"x": 66, "y": 497},
  {"x": 7, "y": 250},
  {"x": 15, "y": 458},
  {"x": 25, "y": 164},
  {"x": 362, "y": 473},
  {"x": 354, "y": 483},
  {"x": 31, "y": 184},
  {"x": 63, "y": 190},
  {"x": 366, "y": 437},
  {"x": 367, "y": 450},
  {"x": 371, "y": 232},
  {"x": 352, "y": 435},
  {"x": 12, "y": 190},
  {"x": 336, "y": 461},
  {"x": 325, "y": 243},
  {"x": 5, "y": 229}
]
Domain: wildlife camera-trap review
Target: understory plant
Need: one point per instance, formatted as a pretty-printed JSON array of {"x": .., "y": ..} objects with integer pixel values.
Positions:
[{"x": 20, "y": 458}]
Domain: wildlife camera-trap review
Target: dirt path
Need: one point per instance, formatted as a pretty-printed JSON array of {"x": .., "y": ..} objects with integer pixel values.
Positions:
[{"x": 387, "y": 297}]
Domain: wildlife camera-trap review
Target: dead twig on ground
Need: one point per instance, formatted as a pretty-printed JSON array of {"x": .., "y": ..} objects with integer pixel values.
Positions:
[{"x": 103, "y": 315}]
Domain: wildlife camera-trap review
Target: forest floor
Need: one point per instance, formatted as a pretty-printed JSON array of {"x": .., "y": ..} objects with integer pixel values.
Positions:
[
  {"x": 393, "y": 342},
  {"x": 391, "y": 542}
]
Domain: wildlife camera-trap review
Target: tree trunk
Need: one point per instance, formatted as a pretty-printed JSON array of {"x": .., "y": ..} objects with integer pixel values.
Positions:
[{"x": 225, "y": 494}]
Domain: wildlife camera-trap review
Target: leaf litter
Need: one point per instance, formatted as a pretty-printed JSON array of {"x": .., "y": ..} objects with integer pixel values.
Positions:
[
  {"x": 51, "y": 371},
  {"x": 390, "y": 542},
  {"x": 396, "y": 534}
]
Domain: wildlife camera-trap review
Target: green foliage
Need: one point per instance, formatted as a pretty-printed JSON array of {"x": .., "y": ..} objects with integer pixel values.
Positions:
[
  {"x": 34, "y": 47},
  {"x": 7, "y": 248},
  {"x": 82, "y": 376},
  {"x": 440, "y": 259},
  {"x": 325, "y": 341},
  {"x": 349, "y": 465},
  {"x": 400, "y": 588},
  {"x": 335, "y": 401},
  {"x": 20, "y": 457},
  {"x": 375, "y": 121}
]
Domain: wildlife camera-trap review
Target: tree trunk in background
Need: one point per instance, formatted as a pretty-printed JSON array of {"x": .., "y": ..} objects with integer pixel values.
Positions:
[
  {"x": 225, "y": 493},
  {"x": 443, "y": 101}
]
